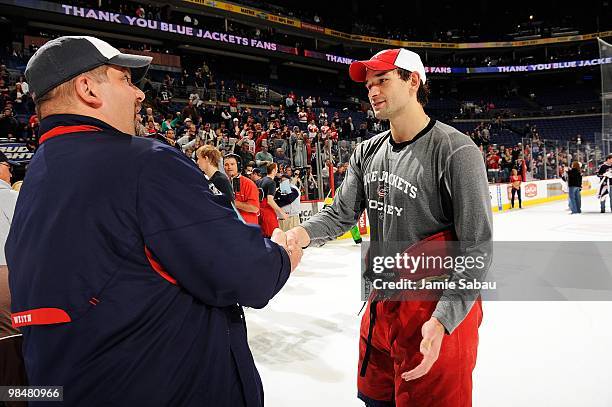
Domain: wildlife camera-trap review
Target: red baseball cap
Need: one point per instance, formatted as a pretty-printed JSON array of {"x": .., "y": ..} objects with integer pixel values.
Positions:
[{"x": 387, "y": 60}]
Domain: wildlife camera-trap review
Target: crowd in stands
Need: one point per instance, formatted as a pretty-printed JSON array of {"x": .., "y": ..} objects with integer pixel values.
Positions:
[
  {"x": 260, "y": 138},
  {"x": 193, "y": 108},
  {"x": 532, "y": 157}
]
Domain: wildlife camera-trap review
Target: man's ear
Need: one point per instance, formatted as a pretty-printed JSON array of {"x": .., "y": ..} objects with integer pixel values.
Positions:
[
  {"x": 88, "y": 91},
  {"x": 415, "y": 79}
]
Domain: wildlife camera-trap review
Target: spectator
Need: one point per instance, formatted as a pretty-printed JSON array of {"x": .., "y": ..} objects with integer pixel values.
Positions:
[
  {"x": 208, "y": 159},
  {"x": 170, "y": 137},
  {"x": 226, "y": 117},
  {"x": 140, "y": 129},
  {"x": 255, "y": 175},
  {"x": 189, "y": 133},
  {"x": 336, "y": 120},
  {"x": 308, "y": 102},
  {"x": 322, "y": 117},
  {"x": 152, "y": 126},
  {"x": 20, "y": 99},
  {"x": 9, "y": 126},
  {"x": 574, "y": 183},
  {"x": 348, "y": 128},
  {"x": 311, "y": 184},
  {"x": 300, "y": 153},
  {"x": 207, "y": 134},
  {"x": 165, "y": 98},
  {"x": 272, "y": 114},
  {"x": 506, "y": 163},
  {"x": 289, "y": 103},
  {"x": 269, "y": 209},
  {"x": 263, "y": 158},
  {"x": 287, "y": 197},
  {"x": 605, "y": 178},
  {"x": 170, "y": 122},
  {"x": 281, "y": 159},
  {"x": 24, "y": 85},
  {"x": 12, "y": 368},
  {"x": 244, "y": 152},
  {"x": 246, "y": 195},
  {"x": 233, "y": 104},
  {"x": 515, "y": 183},
  {"x": 340, "y": 174},
  {"x": 190, "y": 111},
  {"x": 303, "y": 119},
  {"x": 493, "y": 164},
  {"x": 33, "y": 124},
  {"x": 325, "y": 174}
]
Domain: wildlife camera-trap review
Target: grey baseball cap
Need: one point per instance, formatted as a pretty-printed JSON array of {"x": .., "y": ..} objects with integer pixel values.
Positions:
[{"x": 64, "y": 58}]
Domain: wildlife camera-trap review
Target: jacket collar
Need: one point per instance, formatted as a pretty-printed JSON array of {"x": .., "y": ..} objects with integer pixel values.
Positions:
[{"x": 56, "y": 120}]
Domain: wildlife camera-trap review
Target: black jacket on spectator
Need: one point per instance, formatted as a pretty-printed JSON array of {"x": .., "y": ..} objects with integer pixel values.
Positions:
[
  {"x": 192, "y": 112},
  {"x": 603, "y": 169},
  {"x": 9, "y": 125},
  {"x": 574, "y": 178},
  {"x": 222, "y": 183}
]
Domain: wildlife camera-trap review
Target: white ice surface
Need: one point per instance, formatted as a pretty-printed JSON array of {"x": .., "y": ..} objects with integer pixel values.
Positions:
[{"x": 530, "y": 354}]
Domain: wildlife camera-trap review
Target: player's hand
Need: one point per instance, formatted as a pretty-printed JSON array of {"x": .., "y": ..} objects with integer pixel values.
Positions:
[
  {"x": 433, "y": 333},
  {"x": 290, "y": 245},
  {"x": 300, "y": 235}
]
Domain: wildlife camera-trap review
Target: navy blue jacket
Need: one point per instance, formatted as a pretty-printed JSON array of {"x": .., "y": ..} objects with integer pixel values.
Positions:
[{"x": 120, "y": 240}]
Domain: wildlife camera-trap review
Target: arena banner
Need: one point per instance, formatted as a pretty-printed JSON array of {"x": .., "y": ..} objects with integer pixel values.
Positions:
[
  {"x": 17, "y": 152},
  {"x": 247, "y": 11},
  {"x": 485, "y": 69},
  {"x": 116, "y": 18},
  {"x": 314, "y": 28},
  {"x": 174, "y": 28}
]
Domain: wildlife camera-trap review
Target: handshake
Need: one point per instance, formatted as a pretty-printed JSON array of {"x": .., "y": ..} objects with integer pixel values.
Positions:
[{"x": 292, "y": 241}]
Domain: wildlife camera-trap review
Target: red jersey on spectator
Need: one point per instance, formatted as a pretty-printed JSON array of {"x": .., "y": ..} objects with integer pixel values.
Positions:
[
  {"x": 262, "y": 136},
  {"x": 493, "y": 162},
  {"x": 233, "y": 102},
  {"x": 248, "y": 194}
]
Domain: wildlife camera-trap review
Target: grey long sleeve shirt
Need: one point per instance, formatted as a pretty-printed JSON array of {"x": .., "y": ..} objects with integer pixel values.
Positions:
[{"x": 413, "y": 190}]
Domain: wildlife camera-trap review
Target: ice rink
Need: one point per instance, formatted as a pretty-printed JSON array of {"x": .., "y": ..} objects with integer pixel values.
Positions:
[{"x": 530, "y": 354}]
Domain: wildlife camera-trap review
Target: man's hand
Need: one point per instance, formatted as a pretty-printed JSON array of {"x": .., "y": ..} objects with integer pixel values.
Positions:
[
  {"x": 300, "y": 235},
  {"x": 294, "y": 250},
  {"x": 433, "y": 333}
]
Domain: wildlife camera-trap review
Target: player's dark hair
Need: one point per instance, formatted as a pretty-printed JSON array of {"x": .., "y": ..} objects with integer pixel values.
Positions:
[{"x": 422, "y": 93}]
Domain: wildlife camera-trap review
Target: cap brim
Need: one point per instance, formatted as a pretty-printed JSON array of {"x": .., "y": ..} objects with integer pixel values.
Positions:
[
  {"x": 138, "y": 64},
  {"x": 358, "y": 69}
]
